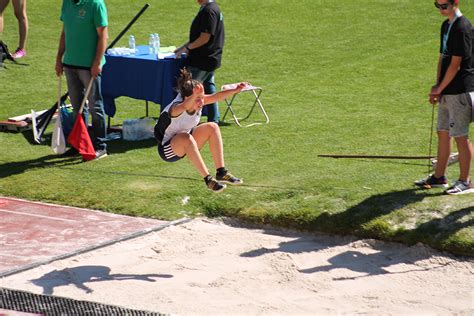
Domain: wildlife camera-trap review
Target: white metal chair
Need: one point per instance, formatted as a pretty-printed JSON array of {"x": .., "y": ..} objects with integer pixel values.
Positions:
[{"x": 256, "y": 92}]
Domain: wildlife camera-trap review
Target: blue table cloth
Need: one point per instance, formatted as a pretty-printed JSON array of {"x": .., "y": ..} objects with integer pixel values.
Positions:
[{"x": 141, "y": 76}]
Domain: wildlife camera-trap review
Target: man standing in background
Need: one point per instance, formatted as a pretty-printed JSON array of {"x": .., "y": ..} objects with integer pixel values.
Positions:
[
  {"x": 455, "y": 78},
  {"x": 81, "y": 56},
  {"x": 204, "y": 50}
]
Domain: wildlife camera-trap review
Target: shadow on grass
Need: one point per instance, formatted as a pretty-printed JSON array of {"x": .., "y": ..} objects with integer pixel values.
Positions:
[
  {"x": 397, "y": 162},
  {"x": 12, "y": 168},
  {"x": 28, "y": 135},
  {"x": 121, "y": 146},
  {"x": 350, "y": 221},
  {"x": 115, "y": 146},
  {"x": 118, "y": 146},
  {"x": 366, "y": 220},
  {"x": 450, "y": 224},
  {"x": 133, "y": 174},
  {"x": 79, "y": 276},
  {"x": 354, "y": 219},
  {"x": 406, "y": 162},
  {"x": 439, "y": 232}
]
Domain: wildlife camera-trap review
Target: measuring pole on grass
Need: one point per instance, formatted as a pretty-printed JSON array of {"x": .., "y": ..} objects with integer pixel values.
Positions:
[{"x": 375, "y": 156}]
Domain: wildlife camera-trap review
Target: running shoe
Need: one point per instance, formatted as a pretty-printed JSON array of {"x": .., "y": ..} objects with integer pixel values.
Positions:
[
  {"x": 460, "y": 187},
  {"x": 229, "y": 178},
  {"x": 19, "y": 53},
  {"x": 214, "y": 185},
  {"x": 101, "y": 153},
  {"x": 432, "y": 182}
]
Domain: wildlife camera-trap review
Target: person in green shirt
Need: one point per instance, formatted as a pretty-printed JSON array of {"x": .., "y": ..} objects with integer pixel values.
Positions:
[{"x": 80, "y": 56}]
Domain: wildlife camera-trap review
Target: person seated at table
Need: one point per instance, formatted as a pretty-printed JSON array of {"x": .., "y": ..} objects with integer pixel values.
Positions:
[{"x": 179, "y": 134}]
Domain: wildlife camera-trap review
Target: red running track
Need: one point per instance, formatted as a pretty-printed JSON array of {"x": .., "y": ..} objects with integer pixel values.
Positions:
[{"x": 34, "y": 233}]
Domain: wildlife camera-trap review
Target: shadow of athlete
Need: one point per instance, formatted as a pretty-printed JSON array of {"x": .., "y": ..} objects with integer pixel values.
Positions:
[
  {"x": 373, "y": 263},
  {"x": 81, "y": 275},
  {"x": 364, "y": 264}
]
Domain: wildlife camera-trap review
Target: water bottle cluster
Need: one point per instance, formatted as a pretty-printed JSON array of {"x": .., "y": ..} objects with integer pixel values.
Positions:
[{"x": 154, "y": 43}]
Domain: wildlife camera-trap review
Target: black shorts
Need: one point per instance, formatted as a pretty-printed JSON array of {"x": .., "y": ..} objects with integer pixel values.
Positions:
[{"x": 166, "y": 152}]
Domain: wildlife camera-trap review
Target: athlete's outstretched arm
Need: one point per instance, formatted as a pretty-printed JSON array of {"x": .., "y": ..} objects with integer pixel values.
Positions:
[{"x": 221, "y": 95}]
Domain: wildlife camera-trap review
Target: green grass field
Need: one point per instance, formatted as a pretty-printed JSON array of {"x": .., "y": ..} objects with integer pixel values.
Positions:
[{"x": 343, "y": 77}]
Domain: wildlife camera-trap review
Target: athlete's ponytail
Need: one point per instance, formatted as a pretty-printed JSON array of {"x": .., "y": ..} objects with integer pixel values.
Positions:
[{"x": 186, "y": 83}]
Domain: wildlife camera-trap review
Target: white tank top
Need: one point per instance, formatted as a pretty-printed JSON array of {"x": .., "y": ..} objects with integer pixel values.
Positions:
[{"x": 170, "y": 126}]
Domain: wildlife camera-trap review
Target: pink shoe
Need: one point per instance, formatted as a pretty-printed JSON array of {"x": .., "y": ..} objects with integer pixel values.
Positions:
[{"x": 19, "y": 53}]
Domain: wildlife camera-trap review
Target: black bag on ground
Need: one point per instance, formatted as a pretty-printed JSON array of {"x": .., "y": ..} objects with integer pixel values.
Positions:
[{"x": 5, "y": 53}]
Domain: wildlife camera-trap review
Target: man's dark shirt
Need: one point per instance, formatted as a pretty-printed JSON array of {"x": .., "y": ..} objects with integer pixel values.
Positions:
[
  {"x": 460, "y": 43},
  {"x": 208, "y": 20}
]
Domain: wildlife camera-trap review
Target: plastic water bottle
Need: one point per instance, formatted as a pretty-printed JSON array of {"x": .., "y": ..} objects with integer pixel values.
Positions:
[
  {"x": 129, "y": 129},
  {"x": 147, "y": 127},
  {"x": 157, "y": 42},
  {"x": 131, "y": 43},
  {"x": 151, "y": 43}
]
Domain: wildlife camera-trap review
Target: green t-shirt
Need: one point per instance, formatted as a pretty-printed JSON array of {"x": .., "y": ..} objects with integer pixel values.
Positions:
[{"x": 81, "y": 21}]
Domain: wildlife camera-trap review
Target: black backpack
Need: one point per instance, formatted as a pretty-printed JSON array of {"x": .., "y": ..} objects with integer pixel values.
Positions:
[{"x": 5, "y": 53}]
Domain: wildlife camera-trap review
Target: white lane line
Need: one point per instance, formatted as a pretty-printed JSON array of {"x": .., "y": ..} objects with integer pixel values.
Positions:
[
  {"x": 12, "y": 256},
  {"x": 41, "y": 216}
]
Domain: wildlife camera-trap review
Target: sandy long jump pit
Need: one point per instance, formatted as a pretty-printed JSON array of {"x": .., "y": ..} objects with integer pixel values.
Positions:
[{"x": 208, "y": 267}]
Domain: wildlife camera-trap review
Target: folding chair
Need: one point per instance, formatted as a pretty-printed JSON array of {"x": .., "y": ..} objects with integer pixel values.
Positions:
[{"x": 256, "y": 92}]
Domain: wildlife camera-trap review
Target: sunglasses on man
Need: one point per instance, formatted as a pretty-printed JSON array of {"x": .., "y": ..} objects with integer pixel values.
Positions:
[{"x": 442, "y": 6}]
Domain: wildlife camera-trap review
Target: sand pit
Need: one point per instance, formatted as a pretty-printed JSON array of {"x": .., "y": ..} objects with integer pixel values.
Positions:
[{"x": 206, "y": 267}]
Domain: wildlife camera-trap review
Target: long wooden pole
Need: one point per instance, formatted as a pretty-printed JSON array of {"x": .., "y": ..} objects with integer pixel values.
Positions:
[
  {"x": 375, "y": 156},
  {"x": 128, "y": 26}
]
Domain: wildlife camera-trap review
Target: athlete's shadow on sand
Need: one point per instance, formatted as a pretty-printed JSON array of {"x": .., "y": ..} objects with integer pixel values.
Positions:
[
  {"x": 360, "y": 264},
  {"x": 385, "y": 255},
  {"x": 79, "y": 276}
]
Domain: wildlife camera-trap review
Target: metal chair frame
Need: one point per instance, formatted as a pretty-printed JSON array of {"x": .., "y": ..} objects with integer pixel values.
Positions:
[{"x": 257, "y": 91}]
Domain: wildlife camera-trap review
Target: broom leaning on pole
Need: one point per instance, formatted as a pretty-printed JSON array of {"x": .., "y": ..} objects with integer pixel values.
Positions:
[
  {"x": 58, "y": 143},
  {"x": 40, "y": 122},
  {"x": 431, "y": 138}
]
